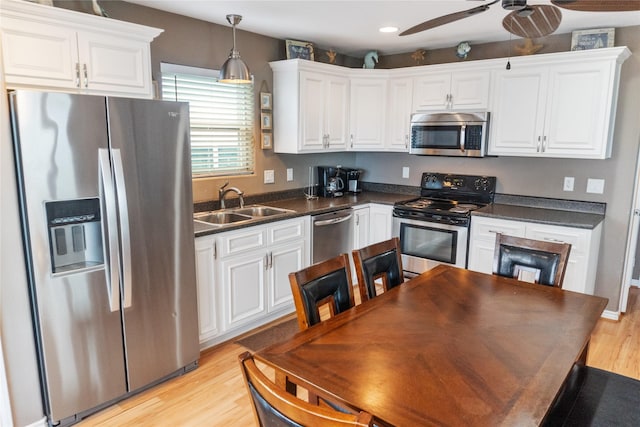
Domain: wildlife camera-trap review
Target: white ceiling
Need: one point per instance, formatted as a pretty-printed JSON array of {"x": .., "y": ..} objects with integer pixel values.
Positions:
[{"x": 351, "y": 27}]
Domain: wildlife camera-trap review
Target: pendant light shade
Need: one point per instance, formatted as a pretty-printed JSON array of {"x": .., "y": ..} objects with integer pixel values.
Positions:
[{"x": 234, "y": 70}]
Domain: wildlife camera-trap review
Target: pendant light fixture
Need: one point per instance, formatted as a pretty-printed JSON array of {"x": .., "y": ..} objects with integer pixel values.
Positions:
[{"x": 234, "y": 70}]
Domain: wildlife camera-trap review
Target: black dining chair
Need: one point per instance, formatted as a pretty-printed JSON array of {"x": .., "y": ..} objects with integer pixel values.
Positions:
[
  {"x": 597, "y": 398},
  {"x": 378, "y": 261},
  {"x": 324, "y": 283},
  {"x": 518, "y": 257},
  {"x": 275, "y": 407}
]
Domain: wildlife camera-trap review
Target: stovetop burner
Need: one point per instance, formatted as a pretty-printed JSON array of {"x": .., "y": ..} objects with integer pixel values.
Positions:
[
  {"x": 448, "y": 198},
  {"x": 439, "y": 205}
]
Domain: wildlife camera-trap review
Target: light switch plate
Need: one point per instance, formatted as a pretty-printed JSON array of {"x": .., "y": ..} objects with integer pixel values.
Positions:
[
  {"x": 269, "y": 176},
  {"x": 568, "y": 183},
  {"x": 405, "y": 171},
  {"x": 595, "y": 186},
  {"x": 289, "y": 174}
]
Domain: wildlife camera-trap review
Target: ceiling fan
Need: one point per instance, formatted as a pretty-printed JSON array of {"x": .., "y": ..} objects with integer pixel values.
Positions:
[{"x": 531, "y": 21}]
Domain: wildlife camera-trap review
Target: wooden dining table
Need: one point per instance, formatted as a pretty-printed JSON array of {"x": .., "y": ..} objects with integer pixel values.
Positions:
[{"x": 450, "y": 347}]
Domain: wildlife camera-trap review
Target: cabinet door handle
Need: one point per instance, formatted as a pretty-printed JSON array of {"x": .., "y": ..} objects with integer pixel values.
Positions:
[
  {"x": 86, "y": 75},
  {"x": 406, "y": 141},
  {"x": 77, "y": 74},
  {"x": 539, "y": 143},
  {"x": 215, "y": 251},
  {"x": 544, "y": 143},
  {"x": 351, "y": 140},
  {"x": 266, "y": 262},
  {"x": 270, "y": 259}
]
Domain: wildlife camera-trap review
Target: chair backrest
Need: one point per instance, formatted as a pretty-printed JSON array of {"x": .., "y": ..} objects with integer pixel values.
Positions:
[
  {"x": 380, "y": 260},
  {"x": 517, "y": 257},
  {"x": 327, "y": 282},
  {"x": 274, "y": 407}
]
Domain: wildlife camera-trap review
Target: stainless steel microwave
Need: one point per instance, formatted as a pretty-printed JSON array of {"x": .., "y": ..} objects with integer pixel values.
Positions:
[{"x": 449, "y": 134}]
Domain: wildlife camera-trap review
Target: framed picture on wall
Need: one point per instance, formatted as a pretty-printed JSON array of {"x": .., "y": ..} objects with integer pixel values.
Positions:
[
  {"x": 267, "y": 141},
  {"x": 592, "y": 39},
  {"x": 297, "y": 49},
  {"x": 265, "y": 101},
  {"x": 265, "y": 121}
]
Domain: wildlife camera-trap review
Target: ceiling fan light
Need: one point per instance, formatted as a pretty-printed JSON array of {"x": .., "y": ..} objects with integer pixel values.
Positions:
[
  {"x": 234, "y": 70},
  {"x": 513, "y": 4}
]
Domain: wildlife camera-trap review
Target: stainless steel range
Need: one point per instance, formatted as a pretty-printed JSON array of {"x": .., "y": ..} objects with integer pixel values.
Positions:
[{"x": 434, "y": 229}]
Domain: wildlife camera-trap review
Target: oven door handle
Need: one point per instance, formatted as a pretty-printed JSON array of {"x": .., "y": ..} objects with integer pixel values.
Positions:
[{"x": 463, "y": 131}]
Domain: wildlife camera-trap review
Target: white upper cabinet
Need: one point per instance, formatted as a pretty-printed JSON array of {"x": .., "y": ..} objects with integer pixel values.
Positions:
[
  {"x": 552, "y": 105},
  {"x": 57, "y": 49},
  {"x": 368, "y": 114},
  {"x": 398, "y": 131},
  {"x": 311, "y": 107},
  {"x": 457, "y": 90},
  {"x": 564, "y": 107}
]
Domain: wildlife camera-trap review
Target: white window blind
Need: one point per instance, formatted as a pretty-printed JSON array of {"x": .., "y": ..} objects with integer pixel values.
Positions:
[{"x": 221, "y": 117}]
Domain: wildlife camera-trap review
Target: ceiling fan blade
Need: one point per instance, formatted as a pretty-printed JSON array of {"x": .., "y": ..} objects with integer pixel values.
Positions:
[
  {"x": 598, "y": 5},
  {"x": 446, "y": 19},
  {"x": 543, "y": 21}
]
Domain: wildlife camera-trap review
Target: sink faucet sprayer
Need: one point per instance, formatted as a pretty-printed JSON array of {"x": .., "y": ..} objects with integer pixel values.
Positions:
[{"x": 222, "y": 192}]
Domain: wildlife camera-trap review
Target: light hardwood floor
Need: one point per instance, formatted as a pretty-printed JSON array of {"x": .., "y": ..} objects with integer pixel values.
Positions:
[{"x": 215, "y": 395}]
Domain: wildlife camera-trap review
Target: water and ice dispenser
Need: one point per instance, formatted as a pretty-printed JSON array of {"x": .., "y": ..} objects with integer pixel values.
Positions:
[{"x": 75, "y": 234}]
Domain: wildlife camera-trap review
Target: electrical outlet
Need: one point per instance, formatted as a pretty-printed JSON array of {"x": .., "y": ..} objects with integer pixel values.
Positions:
[
  {"x": 405, "y": 172},
  {"x": 568, "y": 183},
  {"x": 269, "y": 177},
  {"x": 595, "y": 186},
  {"x": 289, "y": 174}
]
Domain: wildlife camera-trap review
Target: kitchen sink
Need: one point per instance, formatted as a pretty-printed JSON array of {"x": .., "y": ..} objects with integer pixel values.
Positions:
[
  {"x": 238, "y": 215},
  {"x": 222, "y": 218},
  {"x": 261, "y": 211}
]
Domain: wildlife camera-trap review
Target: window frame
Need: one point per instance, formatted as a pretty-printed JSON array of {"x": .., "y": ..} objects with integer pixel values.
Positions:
[{"x": 218, "y": 147}]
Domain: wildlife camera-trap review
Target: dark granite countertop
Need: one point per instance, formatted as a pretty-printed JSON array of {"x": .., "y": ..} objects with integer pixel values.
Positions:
[
  {"x": 303, "y": 207},
  {"x": 588, "y": 217}
]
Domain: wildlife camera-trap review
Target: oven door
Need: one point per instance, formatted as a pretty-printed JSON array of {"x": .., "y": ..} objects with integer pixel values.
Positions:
[{"x": 425, "y": 244}]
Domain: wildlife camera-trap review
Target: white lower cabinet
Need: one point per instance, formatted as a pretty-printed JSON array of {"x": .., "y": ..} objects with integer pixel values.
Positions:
[
  {"x": 583, "y": 259},
  {"x": 360, "y": 226},
  {"x": 243, "y": 279},
  {"x": 206, "y": 280},
  {"x": 381, "y": 218}
]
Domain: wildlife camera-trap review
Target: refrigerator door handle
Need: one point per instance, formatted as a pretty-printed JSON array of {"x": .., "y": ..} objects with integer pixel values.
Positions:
[
  {"x": 108, "y": 202},
  {"x": 123, "y": 211}
]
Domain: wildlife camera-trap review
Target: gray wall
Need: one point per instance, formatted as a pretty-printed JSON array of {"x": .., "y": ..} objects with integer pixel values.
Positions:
[{"x": 192, "y": 42}]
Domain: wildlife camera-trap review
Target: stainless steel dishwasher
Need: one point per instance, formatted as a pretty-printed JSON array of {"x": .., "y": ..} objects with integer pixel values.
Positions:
[{"x": 332, "y": 234}]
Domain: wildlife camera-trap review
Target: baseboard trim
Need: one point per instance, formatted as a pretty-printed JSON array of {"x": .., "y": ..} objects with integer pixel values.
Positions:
[{"x": 611, "y": 315}]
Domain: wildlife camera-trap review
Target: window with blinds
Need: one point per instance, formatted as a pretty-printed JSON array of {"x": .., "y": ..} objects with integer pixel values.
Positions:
[{"x": 221, "y": 117}]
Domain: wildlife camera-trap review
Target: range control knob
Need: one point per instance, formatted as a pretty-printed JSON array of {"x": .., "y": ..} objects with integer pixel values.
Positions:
[{"x": 482, "y": 184}]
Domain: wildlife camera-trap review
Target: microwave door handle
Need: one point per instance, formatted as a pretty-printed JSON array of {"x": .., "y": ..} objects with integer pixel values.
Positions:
[{"x": 463, "y": 130}]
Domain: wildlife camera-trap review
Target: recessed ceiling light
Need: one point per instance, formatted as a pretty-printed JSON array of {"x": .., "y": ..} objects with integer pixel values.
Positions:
[{"x": 388, "y": 29}]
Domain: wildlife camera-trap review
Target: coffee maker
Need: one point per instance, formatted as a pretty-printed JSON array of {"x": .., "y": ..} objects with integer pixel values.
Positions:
[
  {"x": 354, "y": 184},
  {"x": 332, "y": 181}
]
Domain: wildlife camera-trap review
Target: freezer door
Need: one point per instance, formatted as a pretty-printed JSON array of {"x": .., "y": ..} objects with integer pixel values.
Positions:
[
  {"x": 152, "y": 164},
  {"x": 57, "y": 137}
]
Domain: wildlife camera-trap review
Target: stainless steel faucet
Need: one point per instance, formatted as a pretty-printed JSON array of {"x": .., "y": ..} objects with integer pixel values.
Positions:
[{"x": 222, "y": 192}]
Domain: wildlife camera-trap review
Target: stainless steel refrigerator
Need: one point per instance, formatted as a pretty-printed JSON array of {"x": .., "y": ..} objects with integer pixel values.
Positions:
[{"x": 106, "y": 205}]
